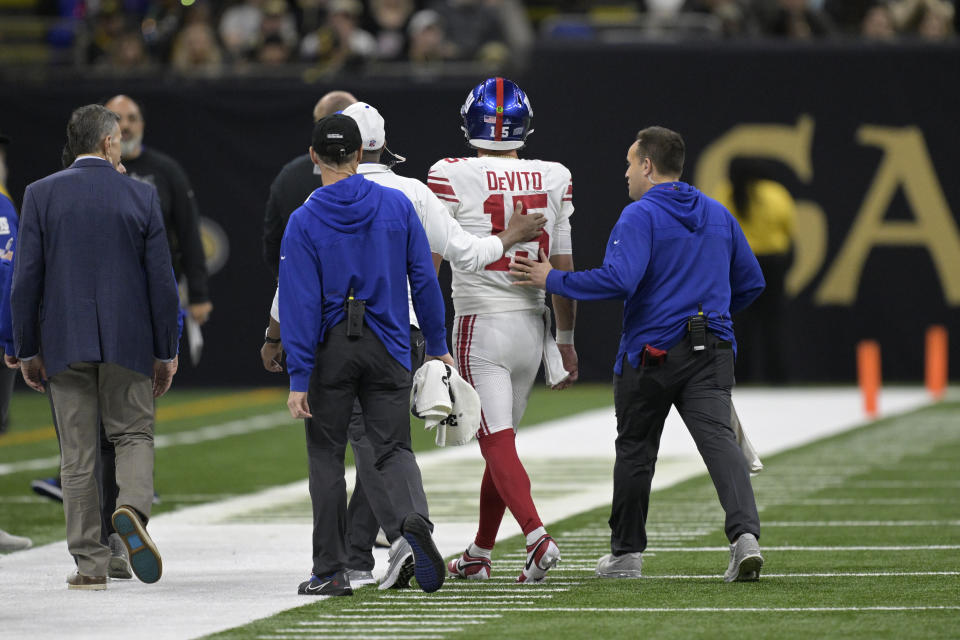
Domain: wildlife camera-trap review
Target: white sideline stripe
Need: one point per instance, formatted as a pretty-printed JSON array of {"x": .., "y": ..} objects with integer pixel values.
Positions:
[
  {"x": 403, "y": 633},
  {"x": 839, "y": 574},
  {"x": 484, "y": 589},
  {"x": 193, "y": 436},
  {"x": 864, "y": 523},
  {"x": 734, "y": 609},
  {"x": 356, "y": 637},
  {"x": 440, "y": 598},
  {"x": 427, "y": 617},
  {"x": 361, "y": 621},
  {"x": 918, "y": 547}
]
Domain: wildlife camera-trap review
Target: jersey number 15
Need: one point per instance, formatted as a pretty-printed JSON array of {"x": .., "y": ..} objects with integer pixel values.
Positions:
[{"x": 495, "y": 207}]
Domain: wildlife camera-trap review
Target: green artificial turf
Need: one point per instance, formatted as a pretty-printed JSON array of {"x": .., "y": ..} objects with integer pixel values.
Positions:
[{"x": 892, "y": 485}]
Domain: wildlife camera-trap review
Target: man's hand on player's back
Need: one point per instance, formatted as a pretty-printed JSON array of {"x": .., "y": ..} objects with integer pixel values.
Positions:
[{"x": 521, "y": 227}]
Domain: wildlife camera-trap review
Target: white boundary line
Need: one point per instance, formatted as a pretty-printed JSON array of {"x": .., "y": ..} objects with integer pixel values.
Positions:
[
  {"x": 730, "y": 609},
  {"x": 192, "y": 436}
]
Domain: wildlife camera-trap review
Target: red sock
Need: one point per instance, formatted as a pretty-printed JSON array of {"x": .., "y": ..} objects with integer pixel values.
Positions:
[
  {"x": 491, "y": 511},
  {"x": 510, "y": 479}
]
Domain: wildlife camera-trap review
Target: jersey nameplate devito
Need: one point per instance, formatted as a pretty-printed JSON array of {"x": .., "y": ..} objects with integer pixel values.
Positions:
[{"x": 481, "y": 194}]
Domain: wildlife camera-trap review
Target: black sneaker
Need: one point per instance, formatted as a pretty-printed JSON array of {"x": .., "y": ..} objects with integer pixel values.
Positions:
[
  {"x": 336, "y": 584},
  {"x": 429, "y": 569}
]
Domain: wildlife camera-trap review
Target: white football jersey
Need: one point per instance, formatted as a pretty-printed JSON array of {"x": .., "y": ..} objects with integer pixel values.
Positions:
[{"x": 480, "y": 194}]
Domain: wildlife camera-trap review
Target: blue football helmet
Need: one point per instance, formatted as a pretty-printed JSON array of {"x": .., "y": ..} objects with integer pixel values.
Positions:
[{"x": 497, "y": 115}]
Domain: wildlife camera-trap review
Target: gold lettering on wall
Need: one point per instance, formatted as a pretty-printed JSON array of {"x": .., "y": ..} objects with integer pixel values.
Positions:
[
  {"x": 791, "y": 146},
  {"x": 906, "y": 164}
]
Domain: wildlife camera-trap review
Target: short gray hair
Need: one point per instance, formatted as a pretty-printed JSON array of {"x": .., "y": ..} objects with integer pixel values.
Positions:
[{"x": 87, "y": 128}]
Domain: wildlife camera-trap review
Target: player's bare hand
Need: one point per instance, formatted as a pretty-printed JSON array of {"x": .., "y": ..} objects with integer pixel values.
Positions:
[
  {"x": 298, "y": 405},
  {"x": 34, "y": 373},
  {"x": 163, "y": 373},
  {"x": 446, "y": 359},
  {"x": 570, "y": 363},
  {"x": 272, "y": 355},
  {"x": 200, "y": 312},
  {"x": 529, "y": 273},
  {"x": 12, "y": 362}
]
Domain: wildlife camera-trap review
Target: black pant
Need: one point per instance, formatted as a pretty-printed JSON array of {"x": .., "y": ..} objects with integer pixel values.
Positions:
[
  {"x": 699, "y": 385},
  {"x": 369, "y": 508},
  {"x": 759, "y": 327},
  {"x": 347, "y": 369}
]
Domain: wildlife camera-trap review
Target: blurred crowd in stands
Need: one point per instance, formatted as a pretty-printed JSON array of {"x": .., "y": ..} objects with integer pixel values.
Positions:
[{"x": 213, "y": 37}]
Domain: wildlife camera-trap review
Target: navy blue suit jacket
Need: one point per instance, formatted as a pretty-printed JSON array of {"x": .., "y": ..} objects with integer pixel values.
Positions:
[{"x": 92, "y": 279}]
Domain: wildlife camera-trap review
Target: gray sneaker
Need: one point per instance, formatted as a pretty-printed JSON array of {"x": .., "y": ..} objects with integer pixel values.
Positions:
[
  {"x": 400, "y": 568},
  {"x": 119, "y": 564},
  {"x": 629, "y": 565},
  {"x": 745, "y": 560},
  {"x": 10, "y": 542},
  {"x": 360, "y": 578}
]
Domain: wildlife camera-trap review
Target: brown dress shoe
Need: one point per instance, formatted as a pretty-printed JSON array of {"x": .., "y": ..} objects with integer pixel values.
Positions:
[{"x": 77, "y": 580}]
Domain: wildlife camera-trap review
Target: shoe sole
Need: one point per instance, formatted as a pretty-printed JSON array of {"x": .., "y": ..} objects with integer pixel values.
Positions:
[
  {"x": 144, "y": 557},
  {"x": 87, "y": 587},
  {"x": 620, "y": 574},
  {"x": 747, "y": 571},
  {"x": 429, "y": 569},
  {"x": 47, "y": 491}
]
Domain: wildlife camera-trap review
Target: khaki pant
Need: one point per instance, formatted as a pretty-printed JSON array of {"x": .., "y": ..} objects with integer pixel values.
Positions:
[{"x": 82, "y": 396}]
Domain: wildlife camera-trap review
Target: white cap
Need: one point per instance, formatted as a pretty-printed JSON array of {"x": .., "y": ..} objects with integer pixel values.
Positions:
[{"x": 372, "y": 126}]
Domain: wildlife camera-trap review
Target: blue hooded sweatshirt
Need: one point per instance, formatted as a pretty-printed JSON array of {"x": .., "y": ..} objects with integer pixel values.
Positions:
[
  {"x": 670, "y": 251},
  {"x": 356, "y": 234}
]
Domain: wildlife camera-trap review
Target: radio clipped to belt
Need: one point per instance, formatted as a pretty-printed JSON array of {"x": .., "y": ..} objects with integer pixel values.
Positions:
[
  {"x": 697, "y": 328},
  {"x": 355, "y": 311}
]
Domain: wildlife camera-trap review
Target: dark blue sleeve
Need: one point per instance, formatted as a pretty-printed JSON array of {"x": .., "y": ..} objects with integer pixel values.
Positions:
[
  {"x": 424, "y": 287},
  {"x": 301, "y": 302},
  {"x": 625, "y": 262},
  {"x": 746, "y": 278},
  {"x": 26, "y": 290},
  {"x": 161, "y": 285},
  {"x": 8, "y": 245}
]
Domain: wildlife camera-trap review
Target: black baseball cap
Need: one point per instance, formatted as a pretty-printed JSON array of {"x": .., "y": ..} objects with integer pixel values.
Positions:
[{"x": 336, "y": 135}]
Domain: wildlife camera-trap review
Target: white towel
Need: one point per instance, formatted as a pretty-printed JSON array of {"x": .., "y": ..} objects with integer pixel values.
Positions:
[
  {"x": 749, "y": 453},
  {"x": 553, "y": 370},
  {"x": 444, "y": 400}
]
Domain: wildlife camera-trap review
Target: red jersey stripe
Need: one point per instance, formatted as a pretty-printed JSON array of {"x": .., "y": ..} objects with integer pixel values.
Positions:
[{"x": 439, "y": 188}]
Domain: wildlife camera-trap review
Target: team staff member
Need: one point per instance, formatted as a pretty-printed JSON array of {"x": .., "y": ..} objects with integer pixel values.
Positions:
[
  {"x": 345, "y": 259},
  {"x": 294, "y": 183},
  {"x": 180, "y": 215},
  {"x": 464, "y": 250},
  {"x": 92, "y": 251},
  {"x": 671, "y": 252}
]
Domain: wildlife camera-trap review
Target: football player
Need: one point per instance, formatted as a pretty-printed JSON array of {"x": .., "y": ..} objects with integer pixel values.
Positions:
[{"x": 500, "y": 329}]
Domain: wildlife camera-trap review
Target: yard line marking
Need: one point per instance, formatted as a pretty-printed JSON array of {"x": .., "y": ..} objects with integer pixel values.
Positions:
[
  {"x": 355, "y": 637},
  {"x": 918, "y": 547},
  {"x": 193, "y": 436},
  {"x": 829, "y": 502},
  {"x": 380, "y": 629},
  {"x": 356, "y": 621},
  {"x": 838, "y": 574},
  {"x": 735, "y": 609},
  {"x": 900, "y": 484},
  {"x": 415, "y": 617},
  {"x": 192, "y": 409},
  {"x": 863, "y": 523},
  {"x": 440, "y": 598}
]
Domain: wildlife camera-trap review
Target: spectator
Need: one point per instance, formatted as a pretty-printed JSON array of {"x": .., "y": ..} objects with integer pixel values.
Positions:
[
  {"x": 927, "y": 19},
  {"x": 107, "y": 28},
  {"x": 195, "y": 51},
  {"x": 470, "y": 25},
  {"x": 128, "y": 53},
  {"x": 278, "y": 22},
  {"x": 240, "y": 29},
  {"x": 797, "y": 20},
  {"x": 388, "y": 24},
  {"x": 340, "y": 42},
  {"x": 878, "y": 23},
  {"x": 736, "y": 16},
  {"x": 428, "y": 38},
  {"x": 273, "y": 51}
]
